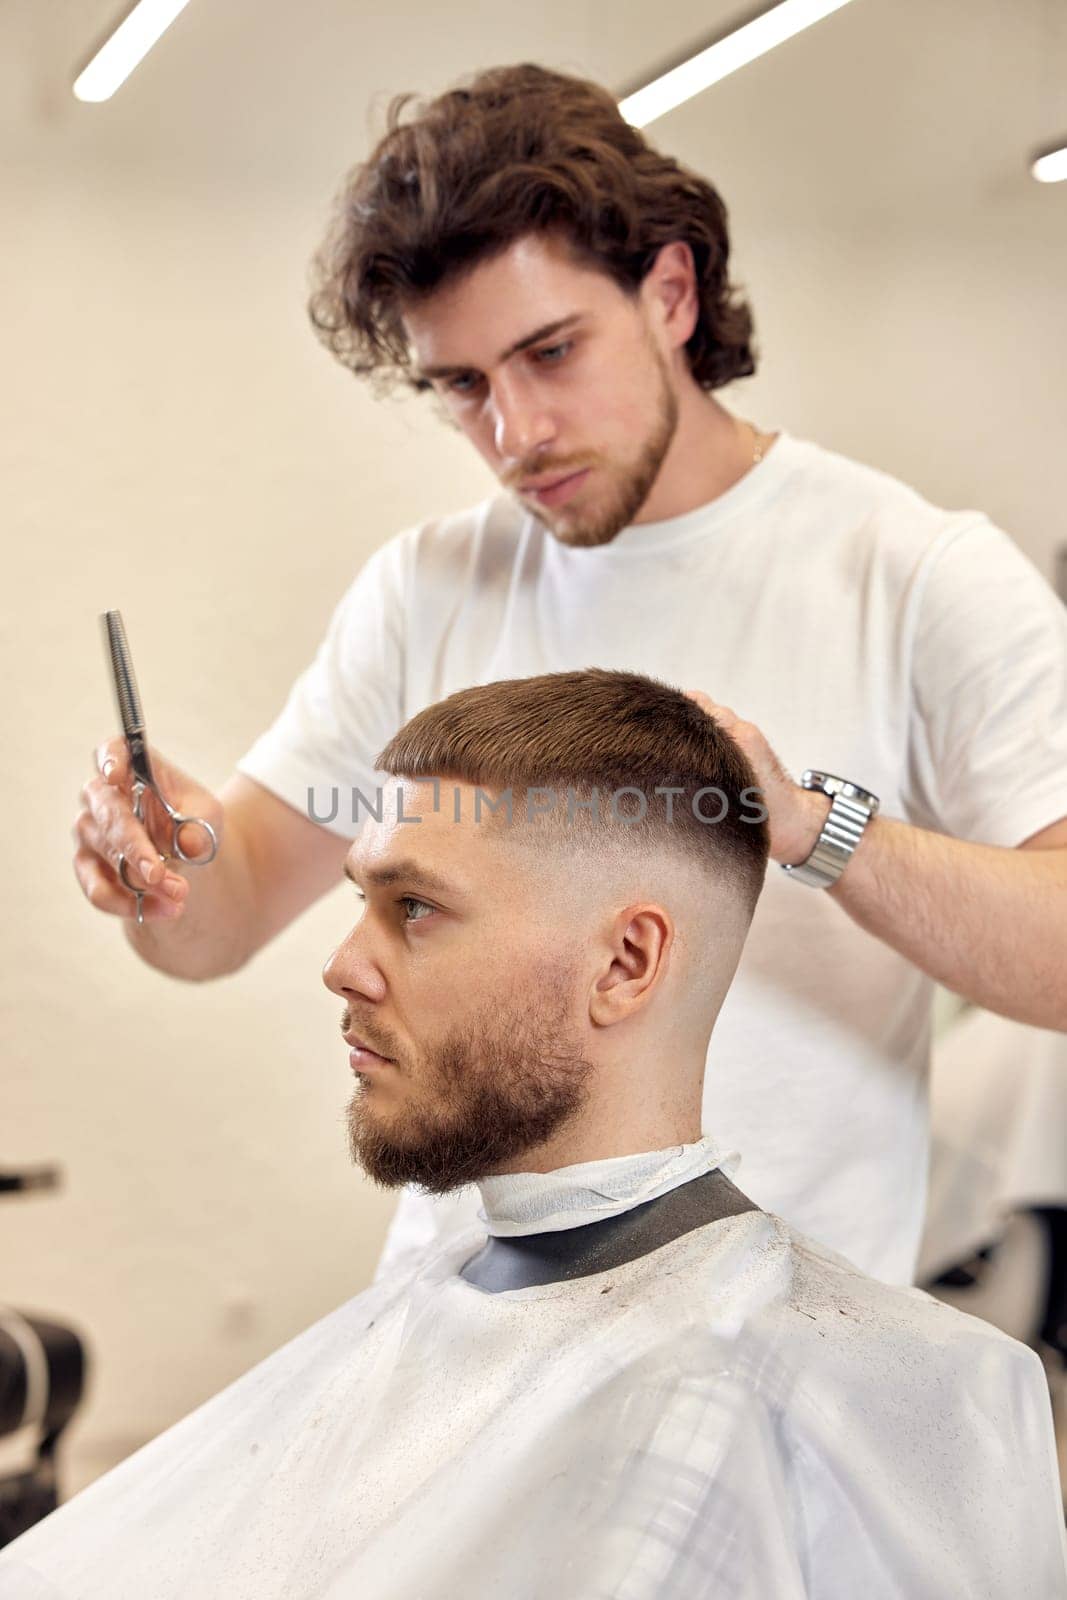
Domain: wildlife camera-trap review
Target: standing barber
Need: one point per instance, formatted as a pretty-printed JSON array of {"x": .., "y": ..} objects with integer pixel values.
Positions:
[{"x": 562, "y": 288}]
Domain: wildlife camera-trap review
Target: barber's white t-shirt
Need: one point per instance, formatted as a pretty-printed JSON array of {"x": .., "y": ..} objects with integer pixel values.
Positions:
[{"x": 867, "y": 633}]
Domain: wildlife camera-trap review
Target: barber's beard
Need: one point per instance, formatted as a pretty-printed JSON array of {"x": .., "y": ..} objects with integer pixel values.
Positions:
[
  {"x": 632, "y": 488},
  {"x": 487, "y": 1095}
]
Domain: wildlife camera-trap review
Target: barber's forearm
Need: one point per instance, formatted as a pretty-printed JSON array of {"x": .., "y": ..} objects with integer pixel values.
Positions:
[
  {"x": 215, "y": 934},
  {"x": 988, "y": 923}
]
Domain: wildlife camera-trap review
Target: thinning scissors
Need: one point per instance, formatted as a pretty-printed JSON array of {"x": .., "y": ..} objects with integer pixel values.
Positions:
[{"x": 129, "y": 704}]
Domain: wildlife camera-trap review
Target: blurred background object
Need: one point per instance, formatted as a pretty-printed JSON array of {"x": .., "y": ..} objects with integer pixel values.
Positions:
[
  {"x": 42, "y": 1377},
  {"x": 996, "y": 1230}
]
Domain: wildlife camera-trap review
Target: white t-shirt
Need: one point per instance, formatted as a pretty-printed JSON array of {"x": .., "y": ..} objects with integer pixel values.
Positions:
[{"x": 866, "y": 633}]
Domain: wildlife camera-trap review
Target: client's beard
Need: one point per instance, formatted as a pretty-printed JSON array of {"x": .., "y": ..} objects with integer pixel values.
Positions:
[{"x": 488, "y": 1094}]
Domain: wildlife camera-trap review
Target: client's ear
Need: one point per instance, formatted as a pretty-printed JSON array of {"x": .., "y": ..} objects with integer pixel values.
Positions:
[{"x": 637, "y": 950}]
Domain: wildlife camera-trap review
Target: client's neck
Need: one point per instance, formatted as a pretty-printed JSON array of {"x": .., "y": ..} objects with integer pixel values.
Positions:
[
  {"x": 532, "y": 1201},
  {"x": 629, "y": 1136}
]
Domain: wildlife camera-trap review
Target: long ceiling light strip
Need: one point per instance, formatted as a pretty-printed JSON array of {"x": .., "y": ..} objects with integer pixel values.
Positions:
[
  {"x": 127, "y": 46},
  {"x": 720, "y": 59},
  {"x": 1051, "y": 167}
]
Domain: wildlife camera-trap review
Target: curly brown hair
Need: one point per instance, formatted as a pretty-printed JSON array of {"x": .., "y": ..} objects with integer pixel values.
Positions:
[{"x": 518, "y": 150}]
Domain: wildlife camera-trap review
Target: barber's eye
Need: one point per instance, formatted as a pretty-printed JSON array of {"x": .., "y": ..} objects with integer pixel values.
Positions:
[
  {"x": 409, "y": 900},
  {"x": 552, "y": 353},
  {"x": 464, "y": 383}
]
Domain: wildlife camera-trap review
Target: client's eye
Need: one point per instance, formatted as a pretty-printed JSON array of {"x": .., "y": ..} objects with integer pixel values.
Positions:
[{"x": 409, "y": 900}]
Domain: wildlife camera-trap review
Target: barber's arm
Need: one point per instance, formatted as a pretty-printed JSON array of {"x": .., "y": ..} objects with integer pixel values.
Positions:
[{"x": 986, "y": 922}]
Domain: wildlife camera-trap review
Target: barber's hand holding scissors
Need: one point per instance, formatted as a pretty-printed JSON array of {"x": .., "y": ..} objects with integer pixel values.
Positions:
[{"x": 138, "y": 813}]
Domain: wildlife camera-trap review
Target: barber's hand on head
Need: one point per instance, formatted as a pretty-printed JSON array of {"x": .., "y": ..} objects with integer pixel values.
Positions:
[
  {"x": 106, "y": 829},
  {"x": 795, "y": 815}
]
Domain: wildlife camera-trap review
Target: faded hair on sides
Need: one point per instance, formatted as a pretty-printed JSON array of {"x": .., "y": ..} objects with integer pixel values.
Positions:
[{"x": 603, "y": 732}]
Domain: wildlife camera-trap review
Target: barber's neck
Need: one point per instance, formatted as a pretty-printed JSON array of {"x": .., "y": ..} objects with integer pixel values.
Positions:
[{"x": 710, "y": 452}]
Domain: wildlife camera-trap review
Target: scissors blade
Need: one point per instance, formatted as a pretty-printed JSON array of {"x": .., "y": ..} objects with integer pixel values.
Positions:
[{"x": 126, "y": 697}]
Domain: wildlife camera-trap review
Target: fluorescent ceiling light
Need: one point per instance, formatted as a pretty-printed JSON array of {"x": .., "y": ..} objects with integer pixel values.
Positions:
[
  {"x": 129, "y": 44},
  {"x": 1051, "y": 167},
  {"x": 724, "y": 57}
]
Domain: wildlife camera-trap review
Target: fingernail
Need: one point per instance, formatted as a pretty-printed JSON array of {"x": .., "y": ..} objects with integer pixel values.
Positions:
[
  {"x": 174, "y": 886},
  {"x": 149, "y": 870},
  {"x": 109, "y": 766}
]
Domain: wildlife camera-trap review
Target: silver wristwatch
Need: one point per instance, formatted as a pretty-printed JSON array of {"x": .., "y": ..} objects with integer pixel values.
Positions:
[{"x": 851, "y": 810}]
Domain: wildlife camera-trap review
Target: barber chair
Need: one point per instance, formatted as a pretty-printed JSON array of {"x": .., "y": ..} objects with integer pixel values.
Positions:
[{"x": 42, "y": 1379}]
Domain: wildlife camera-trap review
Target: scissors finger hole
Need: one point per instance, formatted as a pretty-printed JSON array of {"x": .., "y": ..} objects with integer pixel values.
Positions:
[
  {"x": 134, "y": 888},
  {"x": 198, "y": 857}
]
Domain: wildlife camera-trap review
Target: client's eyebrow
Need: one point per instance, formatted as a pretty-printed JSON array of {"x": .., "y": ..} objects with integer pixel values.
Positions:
[
  {"x": 544, "y": 332},
  {"x": 410, "y": 874}
]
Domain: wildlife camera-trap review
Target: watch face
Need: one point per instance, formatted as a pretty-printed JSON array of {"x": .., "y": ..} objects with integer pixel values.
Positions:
[{"x": 831, "y": 785}]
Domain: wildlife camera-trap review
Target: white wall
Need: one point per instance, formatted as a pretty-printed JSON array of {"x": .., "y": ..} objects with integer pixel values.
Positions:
[{"x": 176, "y": 444}]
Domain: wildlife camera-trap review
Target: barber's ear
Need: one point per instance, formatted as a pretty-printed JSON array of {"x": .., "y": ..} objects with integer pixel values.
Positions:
[
  {"x": 670, "y": 284},
  {"x": 638, "y": 949}
]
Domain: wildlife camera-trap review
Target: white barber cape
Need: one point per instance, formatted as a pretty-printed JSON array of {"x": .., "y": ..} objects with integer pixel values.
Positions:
[{"x": 737, "y": 1413}]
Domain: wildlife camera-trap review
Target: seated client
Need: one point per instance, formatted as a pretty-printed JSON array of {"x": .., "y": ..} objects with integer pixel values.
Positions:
[{"x": 628, "y": 1380}]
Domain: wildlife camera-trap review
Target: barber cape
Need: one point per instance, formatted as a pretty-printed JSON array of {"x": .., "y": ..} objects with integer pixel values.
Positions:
[{"x": 735, "y": 1412}]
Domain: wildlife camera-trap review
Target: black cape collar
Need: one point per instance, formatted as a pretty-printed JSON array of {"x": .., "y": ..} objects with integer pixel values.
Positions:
[{"x": 527, "y": 1260}]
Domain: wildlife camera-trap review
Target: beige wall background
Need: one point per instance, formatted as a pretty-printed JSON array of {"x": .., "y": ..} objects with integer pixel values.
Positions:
[{"x": 175, "y": 443}]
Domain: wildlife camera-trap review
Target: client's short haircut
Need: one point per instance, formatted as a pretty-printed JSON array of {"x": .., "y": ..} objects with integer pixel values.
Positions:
[{"x": 660, "y": 772}]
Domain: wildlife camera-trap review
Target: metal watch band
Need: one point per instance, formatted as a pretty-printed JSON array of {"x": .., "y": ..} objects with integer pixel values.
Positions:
[{"x": 841, "y": 832}]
